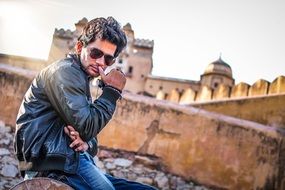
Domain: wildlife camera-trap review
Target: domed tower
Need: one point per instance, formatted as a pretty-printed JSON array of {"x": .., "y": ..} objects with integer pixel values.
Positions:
[{"x": 217, "y": 72}]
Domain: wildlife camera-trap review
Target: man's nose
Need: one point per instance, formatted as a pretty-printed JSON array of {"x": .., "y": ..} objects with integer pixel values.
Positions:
[{"x": 100, "y": 61}]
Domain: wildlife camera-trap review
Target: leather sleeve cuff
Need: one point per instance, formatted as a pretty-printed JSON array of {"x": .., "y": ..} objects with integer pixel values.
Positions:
[
  {"x": 93, "y": 147},
  {"x": 110, "y": 93}
]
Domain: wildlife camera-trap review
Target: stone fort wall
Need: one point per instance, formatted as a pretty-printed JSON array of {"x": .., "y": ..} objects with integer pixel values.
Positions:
[
  {"x": 268, "y": 109},
  {"x": 222, "y": 92},
  {"x": 23, "y": 62},
  {"x": 212, "y": 149},
  {"x": 14, "y": 82}
]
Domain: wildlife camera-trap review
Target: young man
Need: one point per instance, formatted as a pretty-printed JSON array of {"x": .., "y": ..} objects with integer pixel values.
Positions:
[{"x": 60, "y": 96}]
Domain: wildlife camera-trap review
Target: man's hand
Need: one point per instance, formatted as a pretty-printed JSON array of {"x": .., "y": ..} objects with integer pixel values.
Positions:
[
  {"x": 114, "y": 78},
  {"x": 77, "y": 143}
]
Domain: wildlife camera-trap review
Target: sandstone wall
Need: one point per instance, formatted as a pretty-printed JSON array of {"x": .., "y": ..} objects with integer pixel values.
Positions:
[
  {"x": 14, "y": 82},
  {"x": 222, "y": 92},
  {"x": 268, "y": 110},
  {"x": 209, "y": 148},
  {"x": 166, "y": 85},
  {"x": 23, "y": 62}
]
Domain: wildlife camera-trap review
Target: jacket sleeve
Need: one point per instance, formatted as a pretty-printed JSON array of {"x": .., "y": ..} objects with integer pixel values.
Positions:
[
  {"x": 66, "y": 90},
  {"x": 92, "y": 147}
]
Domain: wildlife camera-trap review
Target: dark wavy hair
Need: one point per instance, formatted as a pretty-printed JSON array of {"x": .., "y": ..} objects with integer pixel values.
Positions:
[{"x": 106, "y": 29}]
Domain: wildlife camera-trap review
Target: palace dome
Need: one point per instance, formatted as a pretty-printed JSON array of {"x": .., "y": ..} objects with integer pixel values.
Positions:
[{"x": 219, "y": 67}]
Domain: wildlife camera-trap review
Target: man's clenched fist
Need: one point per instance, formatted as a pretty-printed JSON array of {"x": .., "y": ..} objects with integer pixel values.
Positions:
[{"x": 114, "y": 78}]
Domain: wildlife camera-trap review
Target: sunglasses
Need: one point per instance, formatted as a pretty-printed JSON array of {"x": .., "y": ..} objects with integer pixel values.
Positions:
[{"x": 97, "y": 53}]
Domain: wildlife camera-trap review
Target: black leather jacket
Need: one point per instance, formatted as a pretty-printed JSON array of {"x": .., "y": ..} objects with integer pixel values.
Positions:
[{"x": 60, "y": 96}]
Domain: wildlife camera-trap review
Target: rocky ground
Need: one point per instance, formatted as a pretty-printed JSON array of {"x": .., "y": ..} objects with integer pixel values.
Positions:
[{"x": 141, "y": 168}]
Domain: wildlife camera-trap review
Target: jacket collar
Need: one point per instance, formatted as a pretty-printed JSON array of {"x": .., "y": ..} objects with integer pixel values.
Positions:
[{"x": 76, "y": 59}]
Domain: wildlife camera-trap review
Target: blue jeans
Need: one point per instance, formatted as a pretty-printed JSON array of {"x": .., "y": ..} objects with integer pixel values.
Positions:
[{"x": 88, "y": 177}]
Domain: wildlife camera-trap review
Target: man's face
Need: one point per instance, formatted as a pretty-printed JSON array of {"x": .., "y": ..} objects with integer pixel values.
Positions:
[{"x": 97, "y": 54}]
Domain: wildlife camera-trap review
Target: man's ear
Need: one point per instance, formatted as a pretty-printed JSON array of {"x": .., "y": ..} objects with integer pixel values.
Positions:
[{"x": 78, "y": 47}]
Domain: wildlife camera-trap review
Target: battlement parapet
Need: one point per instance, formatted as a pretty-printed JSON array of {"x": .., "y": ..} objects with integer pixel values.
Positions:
[{"x": 144, "y": 43}]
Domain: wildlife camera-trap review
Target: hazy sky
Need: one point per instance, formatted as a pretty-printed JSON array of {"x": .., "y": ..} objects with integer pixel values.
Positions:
[{"x": 187, "y": 34}]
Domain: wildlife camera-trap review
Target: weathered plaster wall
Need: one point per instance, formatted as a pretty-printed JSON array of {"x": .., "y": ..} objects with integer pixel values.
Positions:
[
  {"x": 212, "y": 149},
  {"x": 268, "y": 109},
  {"x": 14, "y": 82},
  {"x": 166, "y": 85},
  {"x": 23, "y": 62},
  {"x": 222, "y": 92}
]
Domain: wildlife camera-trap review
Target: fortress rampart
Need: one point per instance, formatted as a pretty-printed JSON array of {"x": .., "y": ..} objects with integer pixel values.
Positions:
[{"x": 222, "y": 92}]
